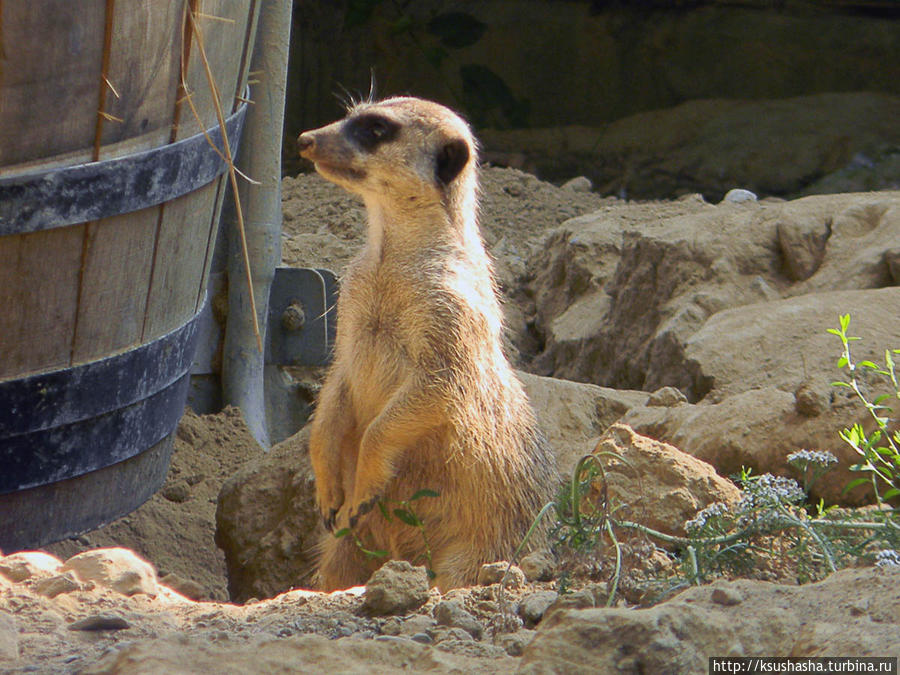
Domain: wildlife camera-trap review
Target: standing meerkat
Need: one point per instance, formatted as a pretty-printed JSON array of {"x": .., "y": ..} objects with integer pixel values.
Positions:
[{"x": 420, "y": 394}]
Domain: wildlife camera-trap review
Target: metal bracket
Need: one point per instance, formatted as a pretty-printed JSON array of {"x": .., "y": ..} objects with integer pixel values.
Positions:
[{"x": 302, "y": 317}]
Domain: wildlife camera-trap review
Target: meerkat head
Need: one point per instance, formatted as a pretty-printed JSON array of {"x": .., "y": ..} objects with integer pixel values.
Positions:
[{"x": 403, "y": 150}]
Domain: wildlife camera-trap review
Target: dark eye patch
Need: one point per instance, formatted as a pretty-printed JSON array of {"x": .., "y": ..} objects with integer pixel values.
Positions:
[{"x": 369, "y": 131}]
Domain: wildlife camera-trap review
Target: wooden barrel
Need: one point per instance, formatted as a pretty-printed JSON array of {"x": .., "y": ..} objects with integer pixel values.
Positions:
[{"x": 110, "y": 192}]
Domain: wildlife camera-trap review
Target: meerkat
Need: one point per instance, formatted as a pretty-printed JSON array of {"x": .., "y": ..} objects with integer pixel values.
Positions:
[{"x": 420, "y": 394}]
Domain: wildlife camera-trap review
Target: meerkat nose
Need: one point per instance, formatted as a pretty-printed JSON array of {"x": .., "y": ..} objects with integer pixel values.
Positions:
[{"x": 305, "y": 142}]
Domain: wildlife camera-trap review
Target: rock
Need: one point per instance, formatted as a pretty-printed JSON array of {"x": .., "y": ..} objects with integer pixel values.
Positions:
[
  {"x": 186, "y": 587},
  {"x": 515, "y": 643},
  {"x": 396, "y": 587},
  {"x": 494, "y": 573},
  {"x": 450, "y": 613},
  {"x": 178, "y": 492},
  {"x": 726, "y": 595},
  {"x": 417, "y": 623},
  {"x": 573, "y": 414},
  {"x": 578, "y": 184},
  {"x": 659, "y": 481},
  {"x": 9, "y": 638},
  {"x": 802, "y": 246},
  {"x": 666, "y": 397},
  {"x": 98, "y": 622},
  {"x": 892, "y": 260},
  {"x": 18, "y": 567},
  {"x": 50, "y": 587},
  {"x": 538, "y": 566},
  {"x": 782, "y": 343},
  {"x": 621, "y": 295},
  {"x": 450, "y": 633},
  {"x": 759, "y": 429},
  {"x": 808, "y": 401},
  {"x": 582, "y": 599},
  {"x": 479, "y": 650},
  {"x": 116, "y": 568},
  {"x": 302, "y": 654},
  {"x": 267, "y": 523},
  {"x": 679, "y": 635},
  {"x": 739, "y": 196},
  {"x": 533, "y": 606}
]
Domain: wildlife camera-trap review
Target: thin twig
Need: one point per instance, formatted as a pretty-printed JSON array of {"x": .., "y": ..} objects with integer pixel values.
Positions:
[{"x": 231, "y": 169}]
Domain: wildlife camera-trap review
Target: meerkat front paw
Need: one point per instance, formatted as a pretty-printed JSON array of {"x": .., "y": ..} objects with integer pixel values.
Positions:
[
  {"x": 348, "y": 515},
  {"x": 329, "y": 503}
]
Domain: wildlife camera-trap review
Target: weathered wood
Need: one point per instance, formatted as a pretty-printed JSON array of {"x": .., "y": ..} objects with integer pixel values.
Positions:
[
  {"x": 141, "y": 92},
  {"x": 224, "y": 41},
  {"x": 114, "y": 284},
  {"x": 38, "y": 296},
  {"x": 51, "y": 60},
  {"x": 178, "y": 267},
  {"x": 108, "y": 73}
]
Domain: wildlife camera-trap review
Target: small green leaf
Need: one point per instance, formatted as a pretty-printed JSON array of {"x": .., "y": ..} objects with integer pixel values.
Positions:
[
  {"x": 842, "y": 363},
  {"x": 384, "y": 510},
  {"x": 409, "y": 518},
  {"x": 377, "y": 553},
  {"x": 890, "y": 494},
  {"x": 845, "y": 322},
  {"x": 855, "y": 483},
  {"x": 841, "y": 384},
  {"x": 424, "y": 493},
  {"x": 342, "y": 533},
  {"x": 868, "y": 364},
  {"x": 834, "y": 331}
]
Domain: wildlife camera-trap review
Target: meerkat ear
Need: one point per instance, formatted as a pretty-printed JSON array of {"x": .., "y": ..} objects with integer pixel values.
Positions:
[{"x": 451, "y": 158}]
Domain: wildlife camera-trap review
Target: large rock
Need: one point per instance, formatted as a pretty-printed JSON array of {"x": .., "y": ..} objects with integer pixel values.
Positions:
[
  {"x": 306, "y": 654},
  {"x": 267, "y": 523},
  {"x": 758, "y": 429},
  {"x": 659, "y": 484},
  {"x": 117, "y": 568},
  {"x": 785, "y": 343},
  {"x": 573, "y": 414},
  {"x": 619, "y": 300},
  {"x": 755, "y": 618}
]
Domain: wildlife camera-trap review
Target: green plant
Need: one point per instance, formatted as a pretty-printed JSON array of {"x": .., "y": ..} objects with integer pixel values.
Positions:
[
  {"x": 879, "y": 450},
  {"x": 405, "y": 513},
  {"x": 773, "y": 526}
]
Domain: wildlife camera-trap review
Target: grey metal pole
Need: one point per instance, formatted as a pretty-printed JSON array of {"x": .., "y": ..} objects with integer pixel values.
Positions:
[{"x": 259, "y": 158}]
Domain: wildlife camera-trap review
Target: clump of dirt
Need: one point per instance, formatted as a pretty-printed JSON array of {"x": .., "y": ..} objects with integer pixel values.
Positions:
[{"x": 175, "y": 529}]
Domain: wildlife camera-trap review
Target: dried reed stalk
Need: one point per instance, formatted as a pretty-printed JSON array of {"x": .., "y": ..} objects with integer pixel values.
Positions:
[{"x": 229, "y": 159}]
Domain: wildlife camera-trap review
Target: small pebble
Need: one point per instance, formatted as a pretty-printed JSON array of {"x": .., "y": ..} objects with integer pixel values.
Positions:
[
  {"x": 450, "y": 613},
  {"x": 538, "y": 566},
  {"x": 739, "y": 196},
  {"x": 100, "y": 622},
  {"x": 578, "y": 184},
  {"x": 493, "y": 573},
  {"x": 666, "y": 397},
  {"x": 727, "y": 596}
]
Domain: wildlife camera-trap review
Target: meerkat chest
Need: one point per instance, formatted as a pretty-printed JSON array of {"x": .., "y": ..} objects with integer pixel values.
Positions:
[{"x": 381, "y": 331}]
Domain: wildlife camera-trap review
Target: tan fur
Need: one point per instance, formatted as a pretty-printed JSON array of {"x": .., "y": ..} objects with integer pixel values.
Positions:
[{"x": 420, "y": 394}]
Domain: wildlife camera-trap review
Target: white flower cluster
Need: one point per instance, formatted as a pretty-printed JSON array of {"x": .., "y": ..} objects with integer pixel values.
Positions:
[
  {"x": 821, "y": 457},
  {"x": 714, "y": 510},
  {"x": 769, "y": 490},
  {"x": 887, "y": 558}
]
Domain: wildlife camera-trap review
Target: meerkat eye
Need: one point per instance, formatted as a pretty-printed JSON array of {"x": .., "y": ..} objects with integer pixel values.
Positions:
[{"x": 369, "y": 131}]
